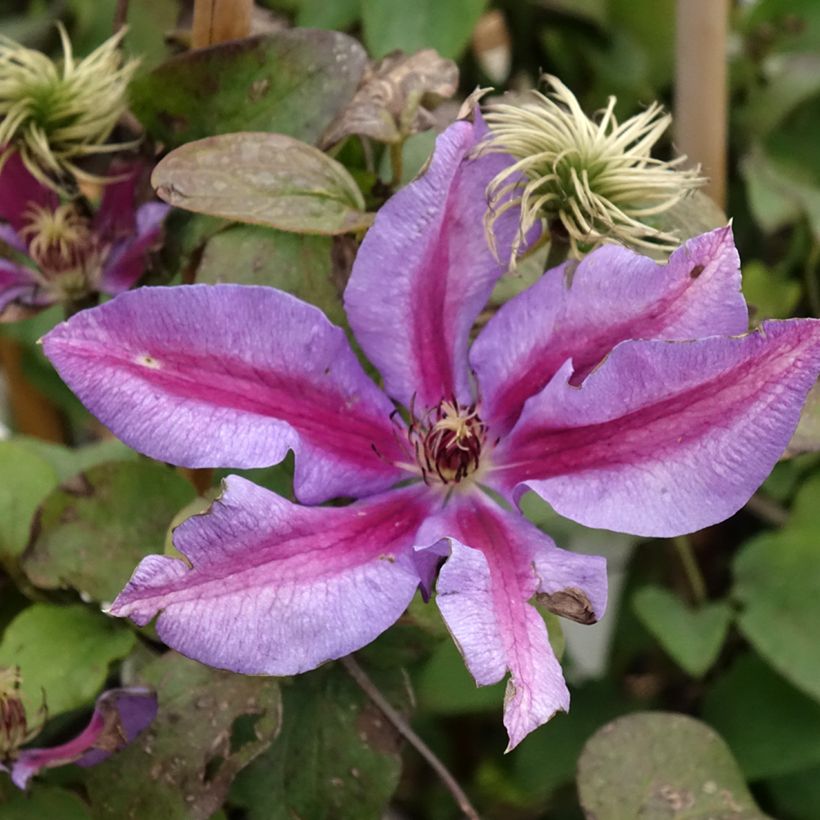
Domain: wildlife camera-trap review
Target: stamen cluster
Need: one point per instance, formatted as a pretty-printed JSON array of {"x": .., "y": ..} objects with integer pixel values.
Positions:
[
  {"x": 55, "y": 114},
  {"x": 591, "y": 180},
  {"x": 14, "y": 730},
  {"x": 63, "y": 244},
  {"x": 447, "y": 442}
]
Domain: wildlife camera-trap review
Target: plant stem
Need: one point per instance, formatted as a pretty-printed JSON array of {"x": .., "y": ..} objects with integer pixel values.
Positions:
[
  {"x": 767, "y": 510},
  {"x": 557, "y": 253},
  {"x": 371, "y": 690},
  {"x": 396, "y": 163},
  {"x": 690, "y": 566},
  {"x": 120, "y": 15}
]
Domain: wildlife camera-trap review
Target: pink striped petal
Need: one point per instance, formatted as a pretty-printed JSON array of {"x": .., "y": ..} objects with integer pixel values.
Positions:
[
  {"x": 235, "y": 376},
  {"x": 498, "y": 562},
  {"x": 276, "y": 589},
  {"x": 119, "y": 717},
  {"x": 424, "y": 271},
  {"x": 581, "y": 311},
  {"x": 664, "y": 437},
  {"x": 127, "y": 260}
]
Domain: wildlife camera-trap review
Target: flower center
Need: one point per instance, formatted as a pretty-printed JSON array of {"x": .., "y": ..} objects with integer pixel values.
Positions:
[
  {"x": 64, "y": 246},
  {"x": 447, "y": 442}
]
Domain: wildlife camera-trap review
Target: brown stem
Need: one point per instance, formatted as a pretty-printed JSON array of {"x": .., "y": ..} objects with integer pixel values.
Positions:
[
  {"x": 120, "y": 15},
  {"x": 767, "y": 509},
  {"x": 216, "y": 21},
  {"x": 33, "y": 413},
  {"x": 371, "y": 690}
]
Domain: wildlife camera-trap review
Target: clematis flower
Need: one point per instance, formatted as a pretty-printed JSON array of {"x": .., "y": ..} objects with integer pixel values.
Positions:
[
  {"x": 572, "y": 390},
  {"x": 594, "y": 180},
  {"x": 64, "y": 254},
  {"x": 119, "y": 717}
]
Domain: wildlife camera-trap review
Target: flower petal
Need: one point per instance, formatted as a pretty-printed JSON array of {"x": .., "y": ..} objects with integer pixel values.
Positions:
[
  {"x": 17, "y": 285},
  {"x": 581, "y": 313},
  {"x": 498, "y": 562},
  {"x": 127, "y": 260},
  {"x": 235, "y": 376},
  {"x": 18, "y": 190},
  {"x": 275, "y": 588},
  {"x": 424, "y": 271},
  {"x": 119, "y": 716},
  {"x": 116, "y": 216},
  {"x": 664, "y": 437}
]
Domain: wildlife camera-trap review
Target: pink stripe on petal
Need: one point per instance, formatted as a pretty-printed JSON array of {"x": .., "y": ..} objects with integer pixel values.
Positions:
[
  {"x": 664, "y": 437},
  {"x": 119, "y": 717},
  {"x": 424, "y": 271},
  {"x": 127, "y": 260},
  {"x": 581, "y": 311},
  {"x": 498, "y": 562},
  {"x": 235, "y": 376},
  {"x": 274, "y": 588}
]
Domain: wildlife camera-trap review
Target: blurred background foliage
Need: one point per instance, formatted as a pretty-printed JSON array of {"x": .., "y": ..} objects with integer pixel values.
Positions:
[{"x": 731, "y": 642}]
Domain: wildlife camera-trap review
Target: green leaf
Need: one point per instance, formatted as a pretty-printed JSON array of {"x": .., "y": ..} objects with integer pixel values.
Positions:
[
  {"x": 294, "y": 82},
  {"x": 298, "y": 264},
  {"x": 777, "y": 582},
  {"x": 336, "y": 757},
  {"x": 797, "y": 795},
  {"x": 339, "y": 15},
  {"x": 692, "y": 637},
  {"x": 210, "y": 725},
  {"x": 263, "y": 179},
  {"x": 773, "y": 728},
  {"x": 34, "y": 477},
  {"x": 63, "y": 651},
  {"x": 445, "y": 25},
  {"x": 94, "y": 529},
  {"x": 68, "y": 461},
  {"x": 771, "y": 296},
  {"x": 41, "y": 802},
  {"x": 546, "y": 759},
  {"x": 661, "y": 765}
]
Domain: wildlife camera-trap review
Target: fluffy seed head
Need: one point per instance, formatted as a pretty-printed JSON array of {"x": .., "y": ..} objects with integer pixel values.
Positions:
[
  {"x": 55, "y": 114},
  {"x": 593, "y": 179}
]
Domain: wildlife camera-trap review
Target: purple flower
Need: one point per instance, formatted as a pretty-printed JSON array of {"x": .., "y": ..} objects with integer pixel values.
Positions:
[
  {"x": 571, "y": 390},
  {"x": 66, "y": 254},
  {"x": 119, "y": 716}
]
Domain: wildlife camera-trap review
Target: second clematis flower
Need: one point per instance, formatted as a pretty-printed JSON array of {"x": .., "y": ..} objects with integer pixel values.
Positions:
[
  {"x": 65, "y": 254},
  {"x": 585, "y": 389}
]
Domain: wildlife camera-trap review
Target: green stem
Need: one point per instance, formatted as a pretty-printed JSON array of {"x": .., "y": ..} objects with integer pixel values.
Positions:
[
  {"x": 396, "y": 163},
  {"x": 558, "y": 249},
  {"x": 690, "y": 566}
]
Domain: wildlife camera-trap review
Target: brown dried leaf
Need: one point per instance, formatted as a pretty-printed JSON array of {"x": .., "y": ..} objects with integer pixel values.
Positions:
[{"x": 395, "y": 97}]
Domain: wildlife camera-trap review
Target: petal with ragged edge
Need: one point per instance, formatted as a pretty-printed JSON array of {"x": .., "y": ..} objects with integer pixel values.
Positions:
[
  {"x": 119, "y": 717},
  {"x": 424, "y": 271},
  {"x": 127, "y": 259},
  {"x": 498, "y": 562},
  {"x": 234, "y": 376},
  {"x": 580, "y": 311},
  {"x": 664, "y": 437},
  {"x": 275, "y": 588}
]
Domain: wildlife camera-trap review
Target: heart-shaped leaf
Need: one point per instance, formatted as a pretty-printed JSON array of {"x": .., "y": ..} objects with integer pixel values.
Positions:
[
  {"x": 294, "y": 82},
  {"x": 692, "y": 637},
  {"x": 263, "y": 179},
  {"x": 64, "y": 652},
  {"x": 661, "y": 765}
]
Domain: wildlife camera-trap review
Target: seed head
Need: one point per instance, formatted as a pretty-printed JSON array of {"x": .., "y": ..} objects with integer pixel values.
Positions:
[
  {"x": 594, "y": 180},
  {"x": 56, "y": 114}
]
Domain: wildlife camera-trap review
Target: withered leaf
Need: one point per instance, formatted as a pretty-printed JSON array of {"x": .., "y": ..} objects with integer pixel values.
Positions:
[{"x": 395, "y": 97}]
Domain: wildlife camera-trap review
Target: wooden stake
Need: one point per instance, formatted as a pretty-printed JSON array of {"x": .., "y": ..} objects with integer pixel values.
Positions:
[
  {"x": 701, "y": 92},
  {"x": 33, "y": 413},
  {"x": 216, "y": 21}
]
